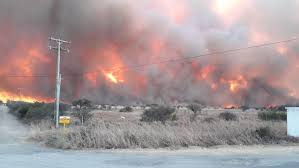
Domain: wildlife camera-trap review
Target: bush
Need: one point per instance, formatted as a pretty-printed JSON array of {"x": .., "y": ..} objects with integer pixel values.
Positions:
[
  {"x": 31, "y": 112},
  {"x": 272, "y": 116},
  {"x": 39, "y": 111},
  {"x": 84, "y": 114},
  {"x": 160, "y": 113},
  {"x": 283, "y": 108},
  {"x": 209, "y": 119},
  {"x": 244, "y": 108},
  {"x": 126, "y": 109},
  {"x": 83, "y": 108},
  {"x": 15, "y": 107},
  {"x": 81, "y": 103},
  {"x": 195, "y": 108},
  {"x": 263, "y": 132},
  {"x": 227, "y": 116}
]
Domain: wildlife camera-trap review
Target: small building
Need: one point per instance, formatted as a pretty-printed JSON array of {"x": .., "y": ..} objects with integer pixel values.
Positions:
[{"x": 293, "y": 121}]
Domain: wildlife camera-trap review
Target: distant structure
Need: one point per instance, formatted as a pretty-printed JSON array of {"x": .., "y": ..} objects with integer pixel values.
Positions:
[{"x": 293, "y": 121}]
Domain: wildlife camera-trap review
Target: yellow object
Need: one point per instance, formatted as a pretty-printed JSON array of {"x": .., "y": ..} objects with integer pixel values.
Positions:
[{"x": 65, "y": 120}]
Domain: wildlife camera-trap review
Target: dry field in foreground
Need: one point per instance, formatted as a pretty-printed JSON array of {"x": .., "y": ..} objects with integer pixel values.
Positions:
[{"x": 108, "y": 131}]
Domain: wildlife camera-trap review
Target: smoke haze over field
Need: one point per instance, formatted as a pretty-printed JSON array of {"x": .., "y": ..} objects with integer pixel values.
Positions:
[
  {"x": 10, "y": 128},
  {"x": 108, "y": 34}
]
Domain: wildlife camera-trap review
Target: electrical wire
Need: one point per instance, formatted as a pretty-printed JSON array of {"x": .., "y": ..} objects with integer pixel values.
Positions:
[{"x": 176, "y": 59}]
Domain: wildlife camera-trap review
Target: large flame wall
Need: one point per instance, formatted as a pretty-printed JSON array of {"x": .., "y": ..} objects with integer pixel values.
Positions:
[{"x": 108, "y": 34}]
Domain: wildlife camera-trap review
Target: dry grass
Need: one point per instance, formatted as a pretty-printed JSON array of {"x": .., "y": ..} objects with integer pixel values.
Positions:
[{"x": 206, "y": 131}]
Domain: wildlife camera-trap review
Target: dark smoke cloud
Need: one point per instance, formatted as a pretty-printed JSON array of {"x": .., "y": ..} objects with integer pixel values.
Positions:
[{"x": 99, "y": 29}]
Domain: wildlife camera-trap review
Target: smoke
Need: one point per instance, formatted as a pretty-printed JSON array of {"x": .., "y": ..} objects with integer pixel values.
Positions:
[
  {"x": 10, "y": 128},
  {"x": 122, "y": 33}
]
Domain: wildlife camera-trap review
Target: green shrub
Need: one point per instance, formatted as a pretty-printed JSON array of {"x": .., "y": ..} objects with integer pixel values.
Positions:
[
  {"x": 126, "y": 109},
  {"x": 227, "y": 116},
  {"x": 22, "y": 111},
  {"x": 83, "y": 109},
  {"x": 174, "y": 117},
  {"x": 263, "y": 132},
  {"x": 272, "y": 116},
  {"x": 82, "y": 103},
  {"x": 160, "y": 113},
  {"x": 283, "y": 108},
  {"x": 244, "y": 108},
  {"x": 84, "y": 114},
  {"x": 196, "y": 109},
  {"x": 40, "y": 111},
  {"x": 31, "y": 112},
  {"x": 209, "y": 119}
]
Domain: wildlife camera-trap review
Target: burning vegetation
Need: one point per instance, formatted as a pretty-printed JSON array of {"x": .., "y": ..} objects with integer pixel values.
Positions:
[{"x": 122, "y": 51}]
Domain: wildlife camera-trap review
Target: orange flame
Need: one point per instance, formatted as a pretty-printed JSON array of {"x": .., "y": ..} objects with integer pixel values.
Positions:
[
  {"x": 258, "y": 37},
  {"x": 113, "y": 77},
  {"x": 236, "y": 84},
  {"x": 282, "y": 50},
  {"x": 176, "y": 12},
  {"x": 204, "y": 72},
  {"x": 5, "y": 96},
  {"x": 207, "y": 71},
  {"x": 112, "y": 60},
  {"x": 229, "y": 106},
  {"x": 92, "y": 78},
  {"x": 229, "y": 10},
  {"x": 225, "y": 6}
]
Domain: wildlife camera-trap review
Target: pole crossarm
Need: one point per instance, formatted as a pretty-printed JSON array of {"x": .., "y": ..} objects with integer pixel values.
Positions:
[
  {"x": 59, "y": 40},
  {"x": 61, "y": 48}
]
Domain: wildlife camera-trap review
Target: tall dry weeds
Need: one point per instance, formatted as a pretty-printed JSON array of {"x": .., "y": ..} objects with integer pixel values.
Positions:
[{"x": 120, "y": 135}]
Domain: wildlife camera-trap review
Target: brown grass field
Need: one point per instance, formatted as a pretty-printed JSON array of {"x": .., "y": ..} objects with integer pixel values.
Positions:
[{"x": 115, "y": 130}]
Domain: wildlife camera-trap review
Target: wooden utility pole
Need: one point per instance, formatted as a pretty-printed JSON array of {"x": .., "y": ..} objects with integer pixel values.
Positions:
[{"x": 58, "y": 48}]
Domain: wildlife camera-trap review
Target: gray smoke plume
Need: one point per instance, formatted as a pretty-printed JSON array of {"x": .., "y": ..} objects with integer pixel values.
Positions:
[
  {"x": 10, "y": 129},
  {"x": 123, "y": 33}
]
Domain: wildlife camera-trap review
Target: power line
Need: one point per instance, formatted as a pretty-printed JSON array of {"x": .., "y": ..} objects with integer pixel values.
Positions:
[
  {"x": 176, "y": 59},
  {"x": 27, "y": 76},
  {"x": 208, "y": 54}
]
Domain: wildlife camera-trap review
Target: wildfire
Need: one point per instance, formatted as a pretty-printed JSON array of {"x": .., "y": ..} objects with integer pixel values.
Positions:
[
  {"x": 236, "y": 84},
  {"x": 112, "y": 59},
  {"x": 258, "y": 37},
  {"x": 229, "y": 10},
  {"x": 282, "y": 50},
  {"x": 38, "y": 55},
  {"x": 203, "y": 73},
  {"x": 113, "y": 77},
  {"x": 207, "y": 71},
  {"x": 225, "y": 6},
  {"x": 5, "y": 96},
  {"x": 229, "y": 106},
  {"x": 293, "y": 93},
  {"x": 213, "y": 86},
  {"x": 176, "y": 12},
  {"x": 92, "y": 78},
  {"x": 153, "y": 32},
  {"x": 27, "y": 57}
]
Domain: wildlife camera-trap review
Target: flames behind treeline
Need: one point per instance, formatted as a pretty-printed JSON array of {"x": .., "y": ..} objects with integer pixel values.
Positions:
[{"x": 109, "y": 34}]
